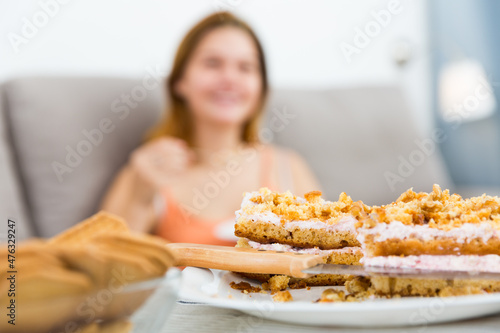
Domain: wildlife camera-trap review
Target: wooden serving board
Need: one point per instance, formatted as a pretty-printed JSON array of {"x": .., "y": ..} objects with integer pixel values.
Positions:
[{"x": 243, "y": 259}]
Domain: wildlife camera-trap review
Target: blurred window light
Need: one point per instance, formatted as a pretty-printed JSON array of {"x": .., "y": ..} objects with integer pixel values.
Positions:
[{"x": 465, "y": 92}]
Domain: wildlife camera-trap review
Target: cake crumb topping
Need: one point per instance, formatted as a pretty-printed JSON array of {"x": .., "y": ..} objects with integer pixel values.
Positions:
[
  {"x": 276, "y": 283},
  {"x": 292, "y": 208},
  {"x": 283, "y": 296},
  {"x": 245, "y": 287},
  {"x": 437, "y": 209}
]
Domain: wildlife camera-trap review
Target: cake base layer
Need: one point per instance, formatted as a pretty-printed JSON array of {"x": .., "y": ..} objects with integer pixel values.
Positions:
[
  {"x": 264, "y": 232},
  {"x": 315, "y": 280},
  {"x": 387, "y": 286}
]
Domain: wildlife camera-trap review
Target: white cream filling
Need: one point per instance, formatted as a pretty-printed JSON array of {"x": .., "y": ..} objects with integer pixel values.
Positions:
[
  {"x": 487, "y": 263},
  {"x": 345, "y": 224},
  {"x": 246, "y": 202},
  {"x": 312, "y": 250},
  {"x": 267, "y": 217},
  {"x": 398, "y": 230}
]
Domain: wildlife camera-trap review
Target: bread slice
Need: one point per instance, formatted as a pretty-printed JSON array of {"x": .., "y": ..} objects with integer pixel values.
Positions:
[{"x": 102, "y": 223}]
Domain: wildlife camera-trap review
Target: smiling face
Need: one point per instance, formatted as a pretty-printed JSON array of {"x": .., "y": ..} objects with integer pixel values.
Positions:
[{"x": 222, "y": 82}]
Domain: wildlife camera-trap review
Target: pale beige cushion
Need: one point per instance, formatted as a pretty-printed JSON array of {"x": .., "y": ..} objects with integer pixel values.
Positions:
[
  {"x": 350, "y": 137},
  {"x": 12, "y": 205},
  {"x": 48, "y": 116},
  {"x": 353, "y": 137}
]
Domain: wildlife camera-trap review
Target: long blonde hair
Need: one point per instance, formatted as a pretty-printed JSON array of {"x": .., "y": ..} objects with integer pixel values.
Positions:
[{"x": 177, "y": 121}]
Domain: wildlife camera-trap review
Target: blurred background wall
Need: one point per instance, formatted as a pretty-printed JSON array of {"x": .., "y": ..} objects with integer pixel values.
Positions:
[
  {"x": 465, "y": 32},
  {"x": 303, "y": 40},
  {"x": 309, "y": 45}
]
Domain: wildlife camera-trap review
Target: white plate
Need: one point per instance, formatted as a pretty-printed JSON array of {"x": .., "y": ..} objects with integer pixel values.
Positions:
[{"x": 199, "y": 285}]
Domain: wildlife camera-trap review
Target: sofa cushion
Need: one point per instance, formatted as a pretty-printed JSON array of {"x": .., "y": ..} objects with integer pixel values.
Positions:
[
  {"x": 12, "y": 204},
  {"x": 72, "y": 135},
  {"x": 361, "y": 141}
]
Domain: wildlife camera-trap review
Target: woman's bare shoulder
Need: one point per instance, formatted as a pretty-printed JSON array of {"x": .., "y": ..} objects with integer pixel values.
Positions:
[
  {"x": 303, "y": 177},
  {"x": 277, "y": 149},
  {"x": 290, "y": 154}
]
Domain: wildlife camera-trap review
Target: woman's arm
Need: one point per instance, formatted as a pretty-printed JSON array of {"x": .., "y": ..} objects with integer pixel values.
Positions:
[
  {"x": 133, "y": 200},
  {"x": 303, "y": 178}
]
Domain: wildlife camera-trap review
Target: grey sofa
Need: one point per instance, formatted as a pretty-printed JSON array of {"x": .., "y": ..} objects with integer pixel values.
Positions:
[{"x": 62, "y": 139}]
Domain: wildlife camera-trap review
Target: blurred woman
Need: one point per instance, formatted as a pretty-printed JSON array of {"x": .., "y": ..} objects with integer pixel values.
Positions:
[{"x": 186, "y": 181}]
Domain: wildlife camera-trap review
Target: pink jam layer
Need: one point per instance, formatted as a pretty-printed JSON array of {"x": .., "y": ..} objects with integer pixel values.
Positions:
[
  {"x": 487, "y": 263},
  {"x": 398, "y": 230},
  {"x": 312, "y": 250}
]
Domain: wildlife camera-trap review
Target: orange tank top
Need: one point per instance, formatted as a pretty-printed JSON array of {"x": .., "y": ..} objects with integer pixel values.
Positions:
[{"x": 179, "y": 226}]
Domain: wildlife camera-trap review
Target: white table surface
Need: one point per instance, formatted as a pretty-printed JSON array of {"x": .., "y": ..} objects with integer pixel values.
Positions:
[{"x": 188, "y": 317}]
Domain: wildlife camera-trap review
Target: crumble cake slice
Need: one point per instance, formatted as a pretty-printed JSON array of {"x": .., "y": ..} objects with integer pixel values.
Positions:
[
  {"x": 435, "y": 223},
  {"x": 418, "y": 230},
  {"x": 270, "y": 217},
  {"x": 432, "y": 231}
]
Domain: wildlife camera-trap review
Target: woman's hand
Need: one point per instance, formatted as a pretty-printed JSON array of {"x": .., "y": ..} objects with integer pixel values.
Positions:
[
  {"x": 158, "y": 163},
  {"x": 151, "y": 167}
]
